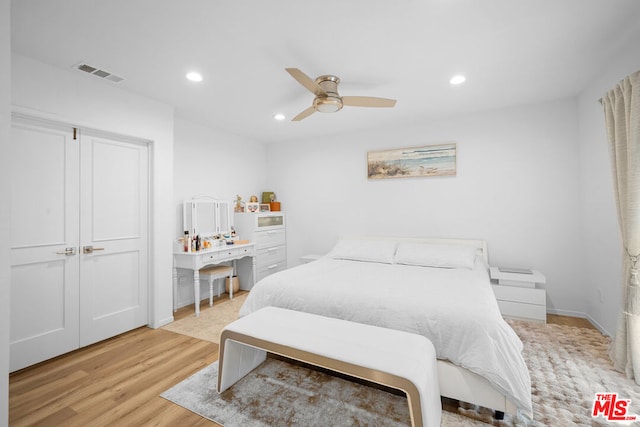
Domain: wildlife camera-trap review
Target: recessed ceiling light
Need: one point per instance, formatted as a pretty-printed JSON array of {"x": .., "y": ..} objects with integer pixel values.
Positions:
[
  {"x": 194, "y": 77},
  {"x": 279, "y": 116},
  {"x": 457, "y": 79}
]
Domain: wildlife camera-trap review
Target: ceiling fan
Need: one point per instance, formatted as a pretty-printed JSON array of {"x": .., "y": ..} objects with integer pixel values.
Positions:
[{"x": 327, "y": 99}]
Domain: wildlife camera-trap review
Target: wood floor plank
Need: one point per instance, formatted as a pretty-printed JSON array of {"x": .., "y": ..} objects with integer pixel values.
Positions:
[
  {"x": 577, "y": 322},
  {"x": 61, "y": 366},
  {"x": 121, "y": 377},
  {"x": 169, "y": 413},
  {"x": 140, "y": 386},
  {"x": 44, "y": 400},
  {"x": 114, "y": 379},
  {"x": 103, "y": 374}
]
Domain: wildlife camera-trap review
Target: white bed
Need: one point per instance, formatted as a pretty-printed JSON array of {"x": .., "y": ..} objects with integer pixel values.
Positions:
[{"x": 438, "y": 288}]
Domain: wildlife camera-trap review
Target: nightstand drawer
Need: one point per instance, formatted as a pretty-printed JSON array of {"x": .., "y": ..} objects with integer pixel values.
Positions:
[
  {"x": 516, "y": 294},
  {"x": 523, "y": 311}
]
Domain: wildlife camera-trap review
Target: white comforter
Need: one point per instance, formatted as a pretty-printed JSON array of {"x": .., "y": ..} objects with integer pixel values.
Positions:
[{"x": 454, "y": 308}]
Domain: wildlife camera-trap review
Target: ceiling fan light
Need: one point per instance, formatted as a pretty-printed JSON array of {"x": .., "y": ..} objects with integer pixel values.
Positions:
[{"x": 329, "y": 104}]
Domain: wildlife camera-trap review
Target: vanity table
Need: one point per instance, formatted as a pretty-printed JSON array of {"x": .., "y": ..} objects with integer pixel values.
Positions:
[
  {"x": 211, "y": 220},
  {"x": 216, "y": 255}
]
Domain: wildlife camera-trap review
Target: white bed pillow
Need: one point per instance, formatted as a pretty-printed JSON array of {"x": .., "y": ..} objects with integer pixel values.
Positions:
[
  {"x": 436, "y": 255},
  {"x": 364, "y": 250}
]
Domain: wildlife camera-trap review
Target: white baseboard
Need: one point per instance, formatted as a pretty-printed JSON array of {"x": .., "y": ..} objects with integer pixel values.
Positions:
[
  {"x": 581, "y": 315},
  {"x": 162, "y": 322},
  {"x": 599, "y": 326}
]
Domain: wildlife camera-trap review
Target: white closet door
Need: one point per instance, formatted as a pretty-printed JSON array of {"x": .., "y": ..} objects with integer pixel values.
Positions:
[
  {"x": 114, "y": 237},
  {"x": 44, "y": 243}
]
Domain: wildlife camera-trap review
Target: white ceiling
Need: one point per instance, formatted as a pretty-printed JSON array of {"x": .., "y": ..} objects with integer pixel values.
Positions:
[{"x": 512, "y": 52}]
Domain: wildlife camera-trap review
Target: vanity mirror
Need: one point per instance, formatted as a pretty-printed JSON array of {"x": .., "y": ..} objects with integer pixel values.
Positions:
[{"x": 207, "y": 217}]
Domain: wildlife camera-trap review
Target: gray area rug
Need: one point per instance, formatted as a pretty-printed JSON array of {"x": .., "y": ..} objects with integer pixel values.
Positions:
[
  {"x": 278, "y": 393},
  {"x": 568, "y": 367}
]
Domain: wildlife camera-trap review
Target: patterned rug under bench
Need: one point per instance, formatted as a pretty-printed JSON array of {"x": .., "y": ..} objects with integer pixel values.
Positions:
[{"x": 568, "y": 366}]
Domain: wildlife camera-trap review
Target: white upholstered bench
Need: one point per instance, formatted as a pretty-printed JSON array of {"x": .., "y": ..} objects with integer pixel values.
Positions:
[{"x": 392, "y": 358}]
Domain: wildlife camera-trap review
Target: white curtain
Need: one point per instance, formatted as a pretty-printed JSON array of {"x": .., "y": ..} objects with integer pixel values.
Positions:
[{"x": 622, "y": 117}]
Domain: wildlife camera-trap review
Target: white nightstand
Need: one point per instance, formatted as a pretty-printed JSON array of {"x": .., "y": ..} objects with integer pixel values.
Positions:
[{"x": 518, "y": 296}]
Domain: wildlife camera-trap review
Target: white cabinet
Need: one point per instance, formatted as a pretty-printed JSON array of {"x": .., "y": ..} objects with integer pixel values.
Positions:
[
  {"x": 521, "y": 303},
  {"x": 518, "y": 296},
  {"x": 268, "y": 231}
]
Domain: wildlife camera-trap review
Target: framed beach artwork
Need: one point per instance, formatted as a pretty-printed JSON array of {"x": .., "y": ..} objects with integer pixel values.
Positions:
[{"x": 428, "y": 160}]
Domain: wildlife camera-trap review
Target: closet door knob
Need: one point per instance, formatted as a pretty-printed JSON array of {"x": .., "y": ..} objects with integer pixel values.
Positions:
[
  {"x": 90, "y": 249},
  {"x": 68, "y": 251}
]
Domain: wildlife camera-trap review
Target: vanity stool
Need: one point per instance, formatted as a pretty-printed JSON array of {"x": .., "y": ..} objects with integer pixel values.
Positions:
[{"x": 217, "y": 272}]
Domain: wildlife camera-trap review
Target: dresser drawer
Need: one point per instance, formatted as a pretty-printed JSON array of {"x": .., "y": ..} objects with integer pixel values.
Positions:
[
  {"x": 208, "y": 258},
  {"x": 516, "y": 294},
  {"x": 269, "y": 238},
  {"x": 233, "y": 253},
  {"x": 273, "y": 255},
  {"x": 270, "y": 269}
]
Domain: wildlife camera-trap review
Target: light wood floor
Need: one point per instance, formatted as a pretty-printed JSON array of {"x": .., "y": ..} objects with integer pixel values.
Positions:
[
  {"x": 569, "y": 321},
  {"x": 118, "y": 382}
]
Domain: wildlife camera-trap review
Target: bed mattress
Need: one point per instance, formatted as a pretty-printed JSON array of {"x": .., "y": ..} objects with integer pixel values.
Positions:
[{"x": 454, "y": 308}]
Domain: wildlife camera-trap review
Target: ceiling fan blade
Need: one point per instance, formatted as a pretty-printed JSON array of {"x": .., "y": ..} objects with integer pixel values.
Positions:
[
  {"x": 303, "y": 115},
  {"x": 367, "y": 101},
  {"x": 306, "y": 81}
]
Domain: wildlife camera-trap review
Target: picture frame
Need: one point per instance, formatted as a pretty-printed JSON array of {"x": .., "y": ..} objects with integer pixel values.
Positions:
[
  {"x": 410, "y": 162},
  {"x": 252, "y": 207},
  {"x": 268, "y": 197},
  {"x": 265, "y": 207}
]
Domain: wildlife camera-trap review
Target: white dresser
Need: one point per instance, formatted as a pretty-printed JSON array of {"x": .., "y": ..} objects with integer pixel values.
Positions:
[
  {"x": 517, "y": 294},
  {"x": 268, "y": 231}
]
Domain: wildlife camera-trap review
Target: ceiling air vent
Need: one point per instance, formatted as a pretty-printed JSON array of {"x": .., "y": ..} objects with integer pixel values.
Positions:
[{"x": 98, "y": 72}]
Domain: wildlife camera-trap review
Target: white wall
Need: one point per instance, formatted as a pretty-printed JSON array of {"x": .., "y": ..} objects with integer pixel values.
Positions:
[
  {"x": 601, "y": 234},
  {"x": 5, "y": 192},
  {"x": 217, "y": 164},
  {"x": 516, "y": 186},
  {"x": 74, "y": 98}
]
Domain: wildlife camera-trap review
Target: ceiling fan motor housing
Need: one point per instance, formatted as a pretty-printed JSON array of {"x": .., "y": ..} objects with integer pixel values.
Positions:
[{"x": 332, "y": 102}]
